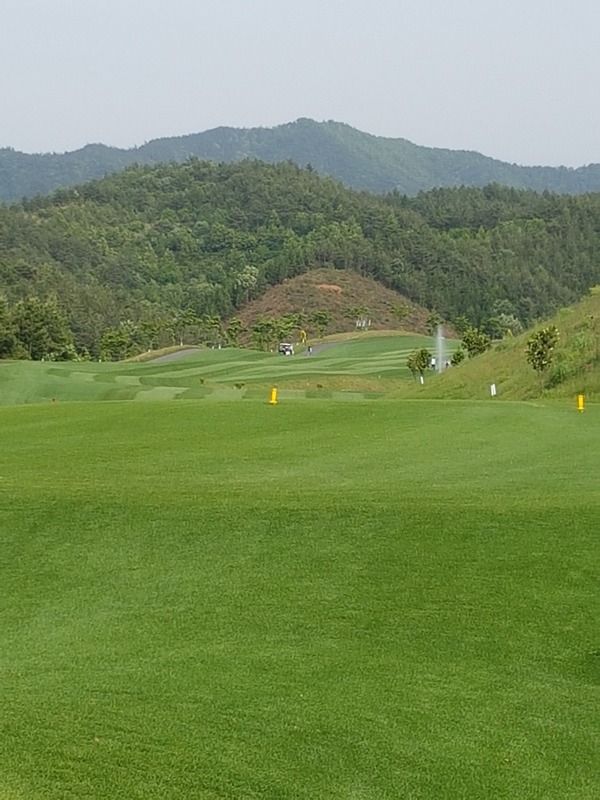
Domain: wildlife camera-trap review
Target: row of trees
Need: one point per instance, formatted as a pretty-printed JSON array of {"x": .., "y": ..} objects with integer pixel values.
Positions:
[
  {"x": 266, "y": 332},
  {"x": 38, "y": 330},
  {"x": 128, "y": 338}
]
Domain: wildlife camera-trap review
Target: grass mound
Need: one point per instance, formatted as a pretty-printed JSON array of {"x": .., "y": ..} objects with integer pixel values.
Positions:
[{"x": 339, "y": 292}]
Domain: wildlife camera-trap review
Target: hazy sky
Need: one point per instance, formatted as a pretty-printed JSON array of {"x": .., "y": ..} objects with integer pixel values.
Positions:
[{"x": 518, "y": 80}]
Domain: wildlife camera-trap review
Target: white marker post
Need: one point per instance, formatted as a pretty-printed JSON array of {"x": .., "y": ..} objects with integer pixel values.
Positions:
[{"x": 493, "y": 389}]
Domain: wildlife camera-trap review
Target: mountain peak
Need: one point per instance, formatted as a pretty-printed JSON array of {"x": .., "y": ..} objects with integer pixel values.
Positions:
[{"x": 359, "y": 160}]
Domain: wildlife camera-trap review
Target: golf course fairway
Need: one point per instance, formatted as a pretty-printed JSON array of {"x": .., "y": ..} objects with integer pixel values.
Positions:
[{"x": 318, "y": 599}]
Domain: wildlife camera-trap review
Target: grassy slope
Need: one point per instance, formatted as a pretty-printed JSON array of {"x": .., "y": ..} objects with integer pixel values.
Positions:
[
  {"x": 507, "y": 367},
  {"x": 318, "y": 600}
]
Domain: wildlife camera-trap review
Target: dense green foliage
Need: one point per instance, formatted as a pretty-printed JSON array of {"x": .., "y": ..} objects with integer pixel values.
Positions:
[
  {"x": 152, "y": 243},
  {"x": 540, "y": 348},
  {"x": 318, "y": 600},
  {"x": 475, "y": 342},
  {"x": 419, "y": 361},
  {"x": 35, "y": 330},
  {"x": 357, "y": 159}
]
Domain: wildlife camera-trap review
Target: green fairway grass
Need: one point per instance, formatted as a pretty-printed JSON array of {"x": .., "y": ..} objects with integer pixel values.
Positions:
[
  {"x": 314, "y": 600},
  {"x": 347, "y": 369}
]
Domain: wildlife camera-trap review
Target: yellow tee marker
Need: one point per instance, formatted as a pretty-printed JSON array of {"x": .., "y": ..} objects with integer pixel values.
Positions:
[
  {"x": 580, "y": 402},
  {"x": 273, "y": 400}
]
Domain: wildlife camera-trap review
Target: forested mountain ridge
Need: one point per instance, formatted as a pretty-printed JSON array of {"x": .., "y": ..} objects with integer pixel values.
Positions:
[
  {"x": 142, "y": 248},
  {"x": 359, "y": 160}
]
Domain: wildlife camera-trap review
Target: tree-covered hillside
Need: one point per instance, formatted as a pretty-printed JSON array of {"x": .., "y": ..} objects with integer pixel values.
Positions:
[
  {"x": 359, "y": 160},
  {"x": 149, "y": 244}
]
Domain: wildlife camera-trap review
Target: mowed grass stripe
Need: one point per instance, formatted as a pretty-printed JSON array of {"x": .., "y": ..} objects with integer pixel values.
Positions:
[
  {"x": 314, "y": 600},
  {"x": 198, "y": 374}
]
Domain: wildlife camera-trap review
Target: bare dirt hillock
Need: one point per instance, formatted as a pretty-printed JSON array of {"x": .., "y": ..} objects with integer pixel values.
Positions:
[{"x": 342, "y": 293}]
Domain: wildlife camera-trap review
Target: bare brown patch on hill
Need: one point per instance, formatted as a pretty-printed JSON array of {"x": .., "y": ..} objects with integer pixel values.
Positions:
[
  {"x": 339, "y": 292},
  {"x": 330, "y": 287}
]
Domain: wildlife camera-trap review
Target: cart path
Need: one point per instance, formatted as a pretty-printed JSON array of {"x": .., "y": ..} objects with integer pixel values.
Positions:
[
  {"x": 175, "y": 356},
  {"x": 318, "y": 348}
]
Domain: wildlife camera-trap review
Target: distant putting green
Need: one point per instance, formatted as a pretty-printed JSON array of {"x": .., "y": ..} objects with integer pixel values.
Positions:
[
  {"x": 342, "y": 370},
  {"x": 315, "y": 600}
]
